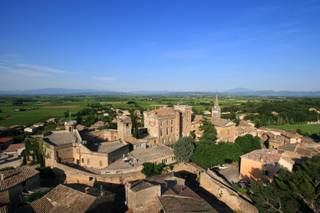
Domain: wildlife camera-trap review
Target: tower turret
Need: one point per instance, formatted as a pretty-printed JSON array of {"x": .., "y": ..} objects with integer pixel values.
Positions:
[{"x": 216, "y": 110}]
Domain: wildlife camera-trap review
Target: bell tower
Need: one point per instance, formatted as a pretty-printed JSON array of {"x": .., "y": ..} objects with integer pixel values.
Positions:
[{"x": 216, "y": 110}]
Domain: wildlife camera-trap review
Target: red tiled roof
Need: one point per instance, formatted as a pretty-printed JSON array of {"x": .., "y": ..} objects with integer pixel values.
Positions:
[
  {"x": 5, "y": 139},
  {"x": 63, "y": 199},
  {"x": 14, "y": 147},
  {"x": 12, "y": 177}
]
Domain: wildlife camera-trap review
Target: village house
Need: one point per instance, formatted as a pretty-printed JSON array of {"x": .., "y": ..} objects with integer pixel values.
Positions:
[
  {"x": 274, "y": 138},
  {"x": 13, "y": 182},
  {"x": 165, "y": 193},
  {"x": 264, "y": 163},
  {"x": 65, "y": 199},
  {"x": 67, "y": 146}
]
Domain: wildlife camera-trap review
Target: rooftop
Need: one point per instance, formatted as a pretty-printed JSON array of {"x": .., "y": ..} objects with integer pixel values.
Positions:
[
  {"x": 5, "y": 139},
  {"x": 15, "y": 147},
  {"x": 266, "y": 156},
  {"x": 164, "y": 111},
  {"x": 63, "y": 137},
  {"x": 152, "y": 153},
  {"x": 140, "y": 185},
  {"x": 182, "y": 199},
  {"x": 63, "y": 199},
  {"x": 12, "y": 177},
  {"x": 107, "y": 147},
  {"x": 220, "y": 122},
  {"x": 304, "y": 150}
]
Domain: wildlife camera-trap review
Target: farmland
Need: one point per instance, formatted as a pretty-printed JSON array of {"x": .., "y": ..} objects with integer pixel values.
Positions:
[{"x": 28, "y": 110}]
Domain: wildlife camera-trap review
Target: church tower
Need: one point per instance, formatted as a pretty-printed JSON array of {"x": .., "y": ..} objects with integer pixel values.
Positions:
[{"x": 216, "y": 110}]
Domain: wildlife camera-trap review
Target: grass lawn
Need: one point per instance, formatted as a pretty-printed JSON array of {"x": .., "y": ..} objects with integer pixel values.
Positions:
[
  {"x": 39, "y": 113},
  {"x": 305, "y": 128}
]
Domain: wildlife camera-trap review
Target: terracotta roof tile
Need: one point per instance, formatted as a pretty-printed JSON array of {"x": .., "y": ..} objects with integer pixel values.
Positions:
[
  {"x": 13, "y": 177},
  {"x": 63, "y": 199}
]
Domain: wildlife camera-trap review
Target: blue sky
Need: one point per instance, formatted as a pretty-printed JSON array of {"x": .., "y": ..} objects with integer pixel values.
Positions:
[{"x": 178, "y": 45}]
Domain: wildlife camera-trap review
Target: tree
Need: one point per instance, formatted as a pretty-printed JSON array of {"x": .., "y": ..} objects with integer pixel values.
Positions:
[
  {"x": 298, "y": 191},
  {"x": 248, "y": 143},
  {"x": 208, "y": 154},
  {"x": 34, "y": 148},
  {"x": 183, "y": 149},
  {"x": 152, "y": 169},
  {"x": 135, "y": 124},
  {"x": 209, "y": 132}
]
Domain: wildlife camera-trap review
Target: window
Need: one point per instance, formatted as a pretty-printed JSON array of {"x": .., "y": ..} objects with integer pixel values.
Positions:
[
  {"x": 266, "y": 173},
  {"x": 88, "y": 161},
  {"x": 164, "y": 161},
  {"x": 161, "y": 132},
  {"x": 82, "y": 160},
  {"x": 171, "y": 122},
  {"x": 167, "y": 131}
]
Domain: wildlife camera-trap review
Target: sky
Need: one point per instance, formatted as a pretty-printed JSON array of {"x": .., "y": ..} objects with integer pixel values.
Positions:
[{"x": 156, "y": 45}]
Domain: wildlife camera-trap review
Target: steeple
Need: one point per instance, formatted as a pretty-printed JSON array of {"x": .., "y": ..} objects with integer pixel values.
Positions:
[
  {"x": 216, "y": 102},
  {"x": 216, "y": 110}
]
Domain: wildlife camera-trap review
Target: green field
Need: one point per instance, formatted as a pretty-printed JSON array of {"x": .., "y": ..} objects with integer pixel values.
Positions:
[
  {"x": 38, "y": 113},
  {"x": 305, "y": 128},
  {"x": 40, "y": 108}
]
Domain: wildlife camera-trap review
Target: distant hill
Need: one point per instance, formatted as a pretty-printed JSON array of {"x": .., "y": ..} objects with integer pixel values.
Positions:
[{"x": 231, "y": 92}]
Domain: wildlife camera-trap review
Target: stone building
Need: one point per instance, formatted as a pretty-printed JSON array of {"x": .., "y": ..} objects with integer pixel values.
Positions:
[
  {"x": 65, "y": 199},
  {"x": 260, "y": 164},
  {"x": 185, "y": 113},
  {"x": 165, "y": 193},
  {"x": 264, "y": 163},
  {"x": 124, "y": 126},
  {"x": 67, "y": 146},
  {"x": 216, "y": 110},
  {"x": 168, "y": 124},
  {"x": 274, "y": 138},
  {"x": 13, "y": 182},
  {"x": 226, "y": 130}
]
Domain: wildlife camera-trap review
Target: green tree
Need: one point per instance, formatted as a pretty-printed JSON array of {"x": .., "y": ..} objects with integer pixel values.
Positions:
[
  {"x": 298, "y": 191},
  {"x": 209, "y": 132},
  {"x": 135, "y": 123},
  {"x": 152, "y": 169},
  {"x": 248, "y": 143},
  {"x": 183, "y": 149},
  {"x": 34, "y": 149}
]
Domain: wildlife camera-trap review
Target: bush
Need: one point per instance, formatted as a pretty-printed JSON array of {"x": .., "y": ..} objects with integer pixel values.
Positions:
[
  {"x": 183, "y": 149},
  {"x": 208, "y": 154},
  {"x": 152, "y": 169}
]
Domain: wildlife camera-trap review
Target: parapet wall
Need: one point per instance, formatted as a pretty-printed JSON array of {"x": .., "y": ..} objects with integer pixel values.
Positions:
[
  {"x": 73, "y": 175},
  {"x": 226, "y": 194}
]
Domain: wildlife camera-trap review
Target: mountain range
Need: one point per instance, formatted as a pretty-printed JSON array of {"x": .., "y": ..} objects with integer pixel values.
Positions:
[{"x": 231, "y": 92}]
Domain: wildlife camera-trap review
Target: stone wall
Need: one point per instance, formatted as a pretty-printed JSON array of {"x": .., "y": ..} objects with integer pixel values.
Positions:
[
  {"x": 137, "y": 200},
  {"x": 106, "y": 134},
  {"x": 73, "y": 175},
  {"x": 226, "y": 194}
]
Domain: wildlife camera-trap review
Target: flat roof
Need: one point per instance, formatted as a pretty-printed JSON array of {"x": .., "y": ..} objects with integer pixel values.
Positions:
[
  {"x": 264, "y": 155},
  {"x": 107, "y": 147},
  {"x": 62, "y": 137},
  {"x": 152, "y": 153}
]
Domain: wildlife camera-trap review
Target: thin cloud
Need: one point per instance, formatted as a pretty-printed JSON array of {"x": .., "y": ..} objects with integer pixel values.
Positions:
[
  {"x": 30, "y": 70},
  {"x": 103, "y": 78}
]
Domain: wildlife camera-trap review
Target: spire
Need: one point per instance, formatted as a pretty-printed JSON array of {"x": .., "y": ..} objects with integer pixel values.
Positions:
[{"x": 216, "y": 102}]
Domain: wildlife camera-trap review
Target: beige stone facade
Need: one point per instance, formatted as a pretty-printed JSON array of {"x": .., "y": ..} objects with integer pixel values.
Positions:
[
  {"x": 260, "y": 164},
  {"x": 168, "y": 124}
]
